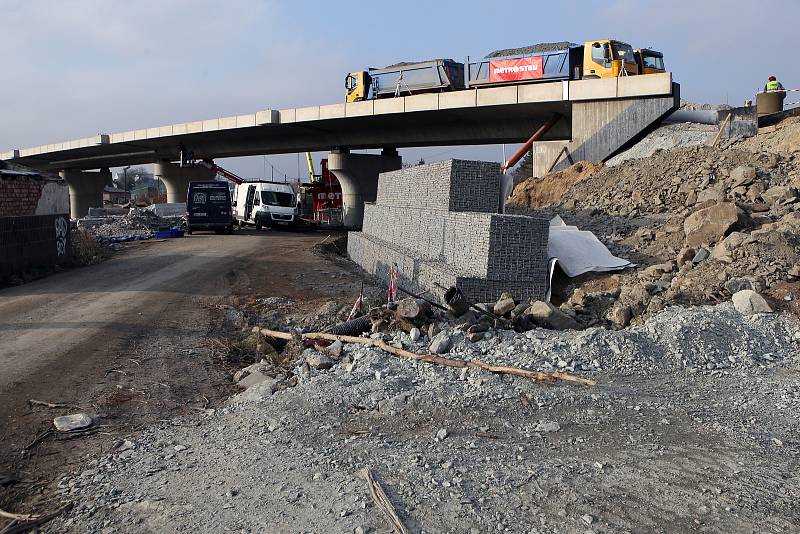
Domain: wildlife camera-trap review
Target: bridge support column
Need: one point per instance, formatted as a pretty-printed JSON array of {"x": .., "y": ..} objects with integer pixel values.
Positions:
[
  {"x": 85, "y": 190},
  {"x": 358, "y": 176},
  {"x": 176, "y": 178}
]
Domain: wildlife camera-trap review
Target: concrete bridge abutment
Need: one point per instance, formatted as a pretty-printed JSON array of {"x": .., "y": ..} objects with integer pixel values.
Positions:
[
  {"x": 602, "y": 129},
  {"x": 85, "y": 190},
  {"x": 176, "y": 178},
  {"x": 358, "y": 176}
]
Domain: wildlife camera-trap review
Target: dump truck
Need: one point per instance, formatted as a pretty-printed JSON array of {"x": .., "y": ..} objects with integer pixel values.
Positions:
[
  {"x": 405, "y": 78},
  {"x": 601, "y": 58},
  {"x": 649, "y": 61}
]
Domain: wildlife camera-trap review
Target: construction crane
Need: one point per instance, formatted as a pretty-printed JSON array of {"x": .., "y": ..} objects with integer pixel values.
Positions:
[
  {"x": 313, "y": 178},
  {"x": 228, "y": 175}
]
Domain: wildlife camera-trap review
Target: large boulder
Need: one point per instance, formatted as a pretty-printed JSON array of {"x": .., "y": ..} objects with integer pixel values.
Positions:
[
  {"x": 504, "y": 305},
  {"x": 777, "y": 193},
  {"x": 708, "y": 225},
  {"x": 68, "y": 423},
  {"x": 256, "y": 377},
  {"x": 748, "y": 302},
  {"x": 547, "y": 315},
  {"x": 722, "y": 251},
  {"x": 743, "y": 175},
  {"x": 440, "y": 344}
]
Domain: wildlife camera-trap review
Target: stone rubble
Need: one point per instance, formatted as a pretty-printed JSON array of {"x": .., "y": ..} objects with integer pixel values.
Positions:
[
  {"x": 717, "y": 215},
  {"x": 459, "y": 451}
]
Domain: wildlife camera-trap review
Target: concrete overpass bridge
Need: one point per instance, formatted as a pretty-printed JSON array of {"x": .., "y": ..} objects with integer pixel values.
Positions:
[{"x": 598, "y": 118}]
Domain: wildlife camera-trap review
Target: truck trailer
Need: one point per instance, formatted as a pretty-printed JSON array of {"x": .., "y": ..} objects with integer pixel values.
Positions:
[{"x": 602, "y": 58}]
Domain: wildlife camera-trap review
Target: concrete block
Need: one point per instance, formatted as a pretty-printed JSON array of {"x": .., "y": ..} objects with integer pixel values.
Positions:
[
  {"x": 210, "y": 125},
  {"x": 225, "y": 123},
  {"x": 271, "y": 116},
  {"x": 287, "y": 115},
  {"x": 140, "y": 134},
  {"x": 593, "y": 89},
  {"x": 648, "y": 84},
  {"x": 360, "y": 109},
  {"x": 128, "y": 136},
  {"x": 165, "y": 131},
  {"x": 244, "y": 121},
  {"x": 389, "y": 105},
  {"x": 455, "y": 185},
  {"x": 540, "y": 92},
  {"x": 424, "y": 102},
  {"x": 418, "y": 222},
  {"x": 194, "y": 127},
  {"x": 458, "y": 99},
  {"x": 493, "y": 96},
  {"x": 152, "y": 132},
  {"x": 332, "y": 111},
  {"x": 307, "y": 114},
  {"x": 180, "y": 129}
]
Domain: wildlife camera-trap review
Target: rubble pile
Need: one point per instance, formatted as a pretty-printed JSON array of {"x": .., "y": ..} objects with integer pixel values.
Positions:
[
  {"x": 138, "y": 224},
  {"x": 701, "y": 222}
]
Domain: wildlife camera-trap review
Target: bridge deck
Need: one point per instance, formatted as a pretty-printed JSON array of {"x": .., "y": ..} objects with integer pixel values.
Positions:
[{"x": 473, "y": 116}]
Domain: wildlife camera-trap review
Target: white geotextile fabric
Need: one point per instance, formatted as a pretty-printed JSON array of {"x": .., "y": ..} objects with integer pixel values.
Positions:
[{"x": 579, "y": 252}]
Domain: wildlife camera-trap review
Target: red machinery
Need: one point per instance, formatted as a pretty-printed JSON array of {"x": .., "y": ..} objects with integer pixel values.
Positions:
[{"x": 324, "y": 195}]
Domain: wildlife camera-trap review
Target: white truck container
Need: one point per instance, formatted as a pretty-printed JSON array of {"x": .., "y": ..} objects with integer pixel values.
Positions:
[{"x": 265, "y": 204}]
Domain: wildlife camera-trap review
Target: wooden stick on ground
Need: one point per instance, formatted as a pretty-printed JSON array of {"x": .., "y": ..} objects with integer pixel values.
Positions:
[
  {"x": 18, "y": 517},
  {"x": 36, "y": 402},
  {"x": 382, "y": 502},
  {"x": 29, "y": 524},
  {"x": 37, "y": 439},
  {"x": 439, "y": 360}
]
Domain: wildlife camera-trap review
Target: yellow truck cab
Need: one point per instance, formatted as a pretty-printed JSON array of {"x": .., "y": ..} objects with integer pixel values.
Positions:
[
  {"x": 607, "y": 58},
  {"x": 649, "y": 61},
  {"x": 356, "y": 86}
]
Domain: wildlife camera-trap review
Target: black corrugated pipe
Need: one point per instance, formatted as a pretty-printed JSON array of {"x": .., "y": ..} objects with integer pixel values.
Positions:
[{"x": 355, "y": 327}]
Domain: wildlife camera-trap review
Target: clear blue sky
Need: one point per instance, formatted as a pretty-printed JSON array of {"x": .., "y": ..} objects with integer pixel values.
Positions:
[{"x": 75, "y": 68}]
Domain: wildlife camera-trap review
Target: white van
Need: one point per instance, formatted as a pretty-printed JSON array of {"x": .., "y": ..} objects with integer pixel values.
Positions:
[{"x": 265, "y": 204}]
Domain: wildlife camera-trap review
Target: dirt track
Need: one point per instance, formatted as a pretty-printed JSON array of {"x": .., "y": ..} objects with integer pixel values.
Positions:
[{"x": 126, "y": 340}]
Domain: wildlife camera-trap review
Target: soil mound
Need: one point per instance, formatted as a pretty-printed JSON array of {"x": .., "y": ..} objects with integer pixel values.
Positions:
[{"x": 548, "y": 190}]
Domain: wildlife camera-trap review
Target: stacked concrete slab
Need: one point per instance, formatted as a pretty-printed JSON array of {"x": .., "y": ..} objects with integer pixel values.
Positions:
[{"x": 439, "y": 225}]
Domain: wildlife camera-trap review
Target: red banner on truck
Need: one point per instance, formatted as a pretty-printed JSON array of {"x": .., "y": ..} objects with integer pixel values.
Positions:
[{"x": 513, "y": 70}]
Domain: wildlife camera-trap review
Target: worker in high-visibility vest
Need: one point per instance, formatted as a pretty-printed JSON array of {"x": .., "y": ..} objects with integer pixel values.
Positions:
[{"x": 773, "y": 84}]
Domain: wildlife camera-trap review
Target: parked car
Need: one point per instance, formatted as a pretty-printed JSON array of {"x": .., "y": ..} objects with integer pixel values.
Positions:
[
  {"x": 208, "y": 207},
  {"x": 267, "y": 204}
]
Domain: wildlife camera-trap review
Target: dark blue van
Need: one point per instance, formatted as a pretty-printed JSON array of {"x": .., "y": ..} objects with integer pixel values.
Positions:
[{"x": 208, "y": 207}]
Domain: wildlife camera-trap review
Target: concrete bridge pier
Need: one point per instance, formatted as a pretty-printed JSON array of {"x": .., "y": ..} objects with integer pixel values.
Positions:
[
  {"x": 85, "y": 190},
  {"x": 358, "y": 176},
  {"x": 176, "y": 178}
]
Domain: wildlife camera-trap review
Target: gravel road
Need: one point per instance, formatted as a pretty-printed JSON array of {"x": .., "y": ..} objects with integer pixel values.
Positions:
[{"x": 126, "y": 340}]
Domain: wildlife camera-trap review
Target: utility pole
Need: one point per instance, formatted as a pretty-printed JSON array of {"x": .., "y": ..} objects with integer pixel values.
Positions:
[{"x": 125, "y": 176}]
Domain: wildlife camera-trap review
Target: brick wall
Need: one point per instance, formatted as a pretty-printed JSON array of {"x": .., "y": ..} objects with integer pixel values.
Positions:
[
  {"x": 33, "y": 241},
  {"x": 19, "y": 195}
]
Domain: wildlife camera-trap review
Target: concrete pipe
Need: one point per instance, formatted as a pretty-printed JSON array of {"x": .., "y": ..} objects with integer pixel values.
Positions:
[{"x": 771, "y": 102}]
